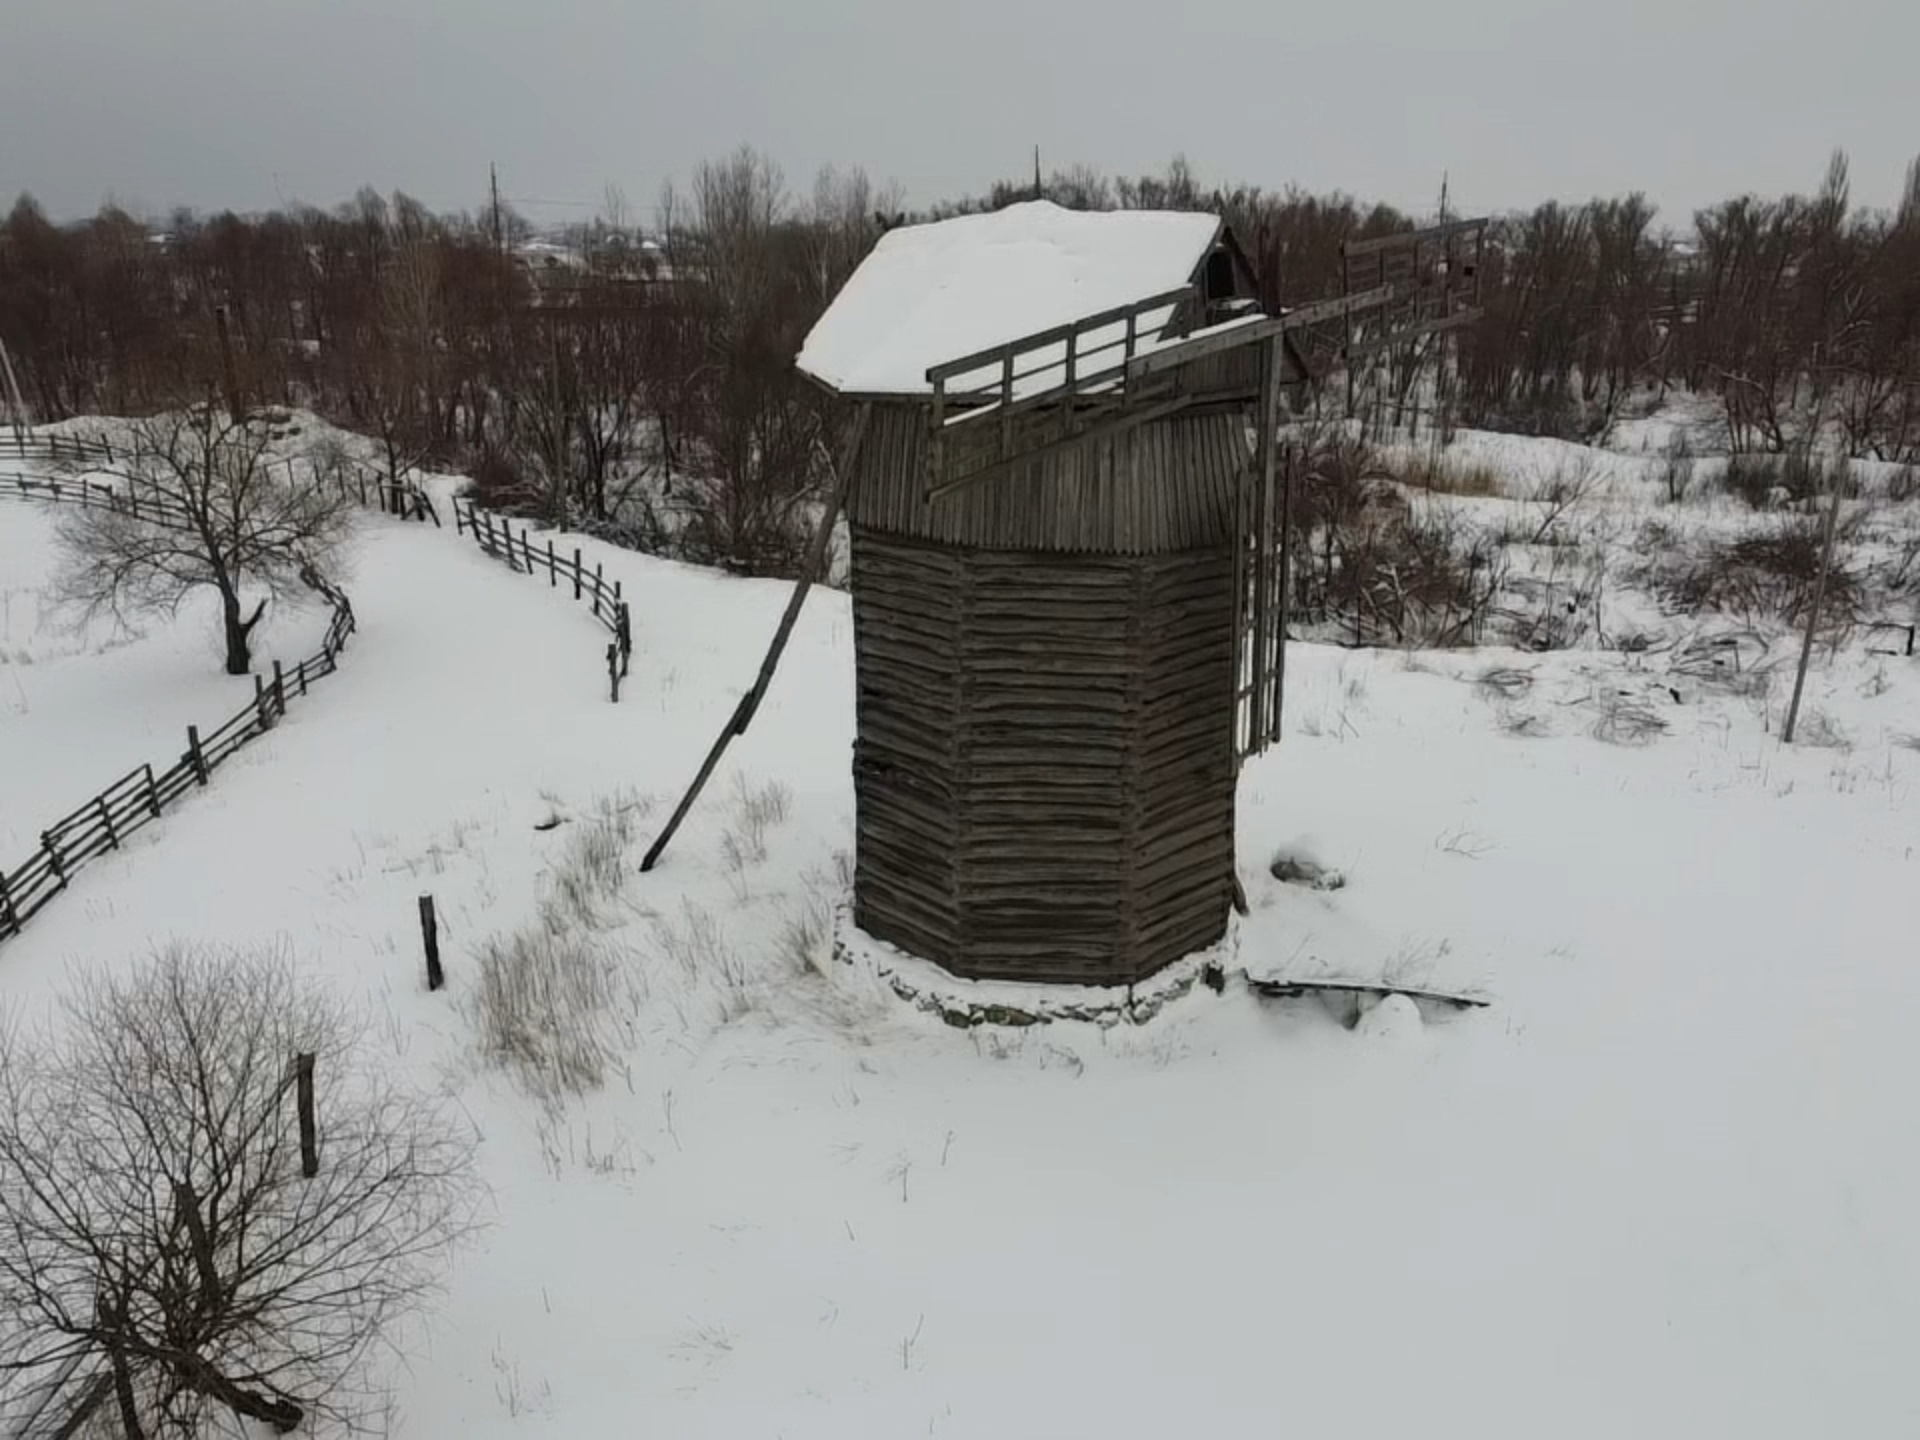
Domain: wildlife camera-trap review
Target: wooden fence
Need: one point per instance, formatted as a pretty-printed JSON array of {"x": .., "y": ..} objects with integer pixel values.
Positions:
[
  {"x": 494, "y": 534},
  {"x": 139, "y": 797},
  {"x": 57, "y": 448}
]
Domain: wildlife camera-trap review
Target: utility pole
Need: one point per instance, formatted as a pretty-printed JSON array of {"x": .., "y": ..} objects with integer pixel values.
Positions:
[
  {"x": 228, "y": 369},
  {"x": 493, "y": 181},
  {"x": 1039, "y": 190},
  {"x": 16, "y": 406},
  {"x": 1819, "y": 597}
]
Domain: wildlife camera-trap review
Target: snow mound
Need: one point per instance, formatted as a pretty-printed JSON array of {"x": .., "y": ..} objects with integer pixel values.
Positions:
[{"x": 1394, "y": 1017}]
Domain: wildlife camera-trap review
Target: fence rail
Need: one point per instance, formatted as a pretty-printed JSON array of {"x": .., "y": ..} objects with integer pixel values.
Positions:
[
  {"x": 56, "y": 447},
  {"x": 494, "y": 535},
  {"x": 102, "y": 823}
]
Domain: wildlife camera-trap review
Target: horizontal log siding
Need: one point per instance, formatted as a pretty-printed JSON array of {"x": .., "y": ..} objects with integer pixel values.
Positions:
[
  {"x": 1162, "y": 487},
  {"x": 1044, "y": 772}
]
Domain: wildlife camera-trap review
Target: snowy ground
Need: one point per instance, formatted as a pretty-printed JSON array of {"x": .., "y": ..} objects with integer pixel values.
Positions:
[
  {"x": 1663, "y": 1185},
  {"x": 83, "y": 704}
]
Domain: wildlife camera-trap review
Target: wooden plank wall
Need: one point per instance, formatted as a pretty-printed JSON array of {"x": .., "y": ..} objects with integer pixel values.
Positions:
[
  {"x": 1044, "y": 773},
  {"x": 1164, "y": 486}
]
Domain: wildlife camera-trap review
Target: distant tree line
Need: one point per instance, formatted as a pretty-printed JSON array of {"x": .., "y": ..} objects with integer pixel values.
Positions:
[{"x": 645, "y": 384}]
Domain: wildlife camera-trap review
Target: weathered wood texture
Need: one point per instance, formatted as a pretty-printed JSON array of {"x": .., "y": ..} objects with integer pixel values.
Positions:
[
  {"x": 1164, "y": 486},
  {"x": 1044, "y": 773}
]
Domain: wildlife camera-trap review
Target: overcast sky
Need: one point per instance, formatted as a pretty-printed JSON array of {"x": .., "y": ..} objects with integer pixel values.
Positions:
[{"x": 245, "y": 103}]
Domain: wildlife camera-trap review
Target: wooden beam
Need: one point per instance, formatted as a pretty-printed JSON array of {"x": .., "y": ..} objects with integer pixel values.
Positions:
[
  {"x": 1354, "y": 248},
  {"x": 1116, "y": 426},
  {"x": 750, "y": 702},
  {"x": 980, "y": 359},
  {"x": 1212, "y": 341},
  {"x": 1324, "y": 310},
  {"x": 1110, "y": 381},
  {"x": 1413, "y": 332}
]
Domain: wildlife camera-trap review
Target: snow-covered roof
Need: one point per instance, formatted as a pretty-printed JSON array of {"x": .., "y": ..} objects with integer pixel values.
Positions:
[{"x": 931, "y": 293}]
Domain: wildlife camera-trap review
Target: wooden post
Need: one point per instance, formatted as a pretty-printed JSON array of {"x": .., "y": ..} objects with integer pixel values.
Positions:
[
  {"x": 309, "y": 1129},
  {"x": 260, "y": 707},
  {"x": 553, "y": 571},
  {"x": 430, "y": 938},
  {"x": 1813, "y": 614},
  {"x": 743, "y": 712},
  {"x": 625, "y": 622},
  {"x": 279, "y": 688},
  {"x": 613, "y": 669},
  {"x": 106, "y": 822},
  {"x": 576, "y": 572},
  {"x": 9, "y": 919},
  {"x": 231, "y": 373},
  {"x": 54, "y": 859},
  {"x": 195, "y": 754},
  {"x": 1282, "y": 563},
  {"x": 153, "y": 793}
]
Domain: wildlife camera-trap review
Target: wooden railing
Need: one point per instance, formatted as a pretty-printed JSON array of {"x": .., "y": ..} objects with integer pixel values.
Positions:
[
  {"x": 494, "y": 534},
  {"x": 58, "y": 448}
]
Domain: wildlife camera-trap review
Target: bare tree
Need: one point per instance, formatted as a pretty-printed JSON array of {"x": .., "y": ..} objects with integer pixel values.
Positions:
[
  {"x": 159, "y": 1242},
  {"x": 208, "y": 511}
]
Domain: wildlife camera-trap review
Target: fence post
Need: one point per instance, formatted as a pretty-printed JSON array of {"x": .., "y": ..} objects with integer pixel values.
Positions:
[
  {"x": 153, "y": 793},
  {"x": 430, "y": 938},
  {"x": 626, "y": 638},
  {"x": 195, "y": 754},
  {"x": 279, "y": 688},
  {"x": 9, "y": 919},
  {"x": 459, "y": 527},
  {"x": 576, "y": 572},
  {"x": 553, "y": 574},
  {"x": 309, "y": 1128},
  {"x": 260, "y": 706},
  {"x": 106, "y": 819},
  {"x": 54, "y": 859},
  {"x": 613, "y": 668}
]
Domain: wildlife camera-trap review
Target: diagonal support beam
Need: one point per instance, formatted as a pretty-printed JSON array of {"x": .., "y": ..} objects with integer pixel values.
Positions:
[{"x": 750, "y": 702}]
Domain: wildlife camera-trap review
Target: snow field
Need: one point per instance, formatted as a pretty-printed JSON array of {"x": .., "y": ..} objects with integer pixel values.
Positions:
[{"x": 1663, "y": 1185}]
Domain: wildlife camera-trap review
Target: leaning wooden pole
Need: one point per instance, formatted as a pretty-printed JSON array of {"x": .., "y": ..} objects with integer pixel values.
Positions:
[
  {"x": 1813, "y": 612},
  {"x": 810, "y": 568}
]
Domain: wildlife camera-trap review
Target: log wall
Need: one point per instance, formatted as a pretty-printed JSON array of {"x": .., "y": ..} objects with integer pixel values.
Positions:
[
  {"x": 1158, "y": 487},
  {"x": 1044, "y": 772}
]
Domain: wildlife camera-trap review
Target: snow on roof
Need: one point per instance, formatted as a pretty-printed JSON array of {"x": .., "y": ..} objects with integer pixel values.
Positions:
[{"x": 930, "y": 293}]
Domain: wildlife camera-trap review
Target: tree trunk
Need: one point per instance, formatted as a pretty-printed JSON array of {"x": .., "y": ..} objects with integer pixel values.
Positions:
[
  {"x": 130, "y": 1426},
  {"x": 195, "y": 1372},
  {"x": 239, "y": 632}
]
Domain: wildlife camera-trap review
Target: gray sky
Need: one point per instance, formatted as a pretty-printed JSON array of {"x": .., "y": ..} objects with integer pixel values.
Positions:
[{"x": 243, "y": 103}]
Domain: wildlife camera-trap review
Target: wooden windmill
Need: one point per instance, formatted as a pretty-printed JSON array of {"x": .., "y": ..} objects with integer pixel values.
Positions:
[{"x": 1068, "y": 575}]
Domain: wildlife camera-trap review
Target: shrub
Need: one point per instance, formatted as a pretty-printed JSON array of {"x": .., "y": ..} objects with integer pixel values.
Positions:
[{"x": 1766, "y": 575}]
